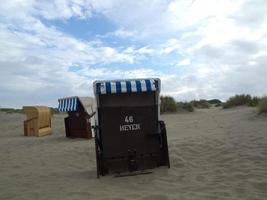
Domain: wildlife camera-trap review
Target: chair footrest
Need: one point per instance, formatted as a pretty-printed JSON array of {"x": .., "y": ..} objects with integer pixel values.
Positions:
[{"x": 136, "y": 173}]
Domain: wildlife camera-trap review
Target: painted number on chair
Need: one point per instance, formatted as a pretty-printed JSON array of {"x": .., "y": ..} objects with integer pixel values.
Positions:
[
  {"x": 129, "y": 126},
  {"x": 129, "y": 119}
]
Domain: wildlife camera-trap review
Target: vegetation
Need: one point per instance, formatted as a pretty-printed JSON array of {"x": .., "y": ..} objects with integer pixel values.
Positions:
[
  {"x": 263, "y": 105},
  {"x": 54, "y": 111},
  {"x": 11, "y": 110},
  {"x": 218, "y": 104},
  {"x": 254, "y": 101},
  {"x": 239, "y": 100},
  {"x": 214, "y": 101},
  {"x": 202, "y": 103},
  {"x": 185, "y": 106},
  {"x": 167, "y": 104}
]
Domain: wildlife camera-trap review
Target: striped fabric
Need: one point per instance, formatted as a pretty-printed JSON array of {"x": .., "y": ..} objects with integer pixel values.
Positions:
[
  {"x": 68, "y": 104},
  {"x": 126, "y": 86}
]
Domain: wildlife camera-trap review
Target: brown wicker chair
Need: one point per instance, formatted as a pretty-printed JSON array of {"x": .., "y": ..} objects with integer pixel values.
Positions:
[
  {"x": 80, "y": 110},
  {"x": 129, "y": 135}
]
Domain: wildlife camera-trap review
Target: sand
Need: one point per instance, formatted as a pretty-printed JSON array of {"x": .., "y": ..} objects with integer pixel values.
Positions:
[{"x": 215, "y": 154}]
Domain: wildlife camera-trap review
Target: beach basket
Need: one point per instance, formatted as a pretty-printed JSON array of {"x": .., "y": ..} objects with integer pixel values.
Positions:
[
  {"x": 129, "y": 135},
  {"x": 80, "y": 111},
  {"x": 38, "y": 122}
]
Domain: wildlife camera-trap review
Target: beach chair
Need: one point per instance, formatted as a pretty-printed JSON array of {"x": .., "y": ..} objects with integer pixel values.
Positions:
[
  {"x": 38, "y": 122},
  {"x": 129, "y": 136},
  {"x": 80, "y": 111}
]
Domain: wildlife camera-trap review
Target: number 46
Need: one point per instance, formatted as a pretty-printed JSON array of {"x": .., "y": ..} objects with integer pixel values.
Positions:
[{"x": 129, "y": 119}]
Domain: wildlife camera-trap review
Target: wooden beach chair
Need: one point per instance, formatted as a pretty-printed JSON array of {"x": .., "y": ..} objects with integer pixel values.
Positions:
[
  {"x": 38, "y": 122},
  {"x": 80, "y": 111},
  {"x": 129, "y": 135}
]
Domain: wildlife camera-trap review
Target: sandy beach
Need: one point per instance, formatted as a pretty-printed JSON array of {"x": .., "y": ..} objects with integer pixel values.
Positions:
[{"x": 214, "y": 153}]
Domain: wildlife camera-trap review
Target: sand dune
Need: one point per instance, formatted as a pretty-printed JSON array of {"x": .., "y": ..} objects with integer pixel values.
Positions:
[{"x": 215, "y": 154}]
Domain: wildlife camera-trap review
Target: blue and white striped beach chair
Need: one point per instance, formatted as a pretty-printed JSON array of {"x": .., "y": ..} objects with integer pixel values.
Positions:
[{"x": 129, "y": 135}]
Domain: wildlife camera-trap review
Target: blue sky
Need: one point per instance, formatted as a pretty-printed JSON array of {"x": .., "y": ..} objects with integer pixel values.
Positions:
[
  {"x": 85, "y": 29},
  {"x": 199, "y": 48}
]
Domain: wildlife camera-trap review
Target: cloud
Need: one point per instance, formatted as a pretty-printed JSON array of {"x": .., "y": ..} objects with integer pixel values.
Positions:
[
  {"x": 63, "y": 9},
  {"x": 35, "y": 59},
  {"x": 200, "y": 49},
  {"x": 185, "y": 13},
  {"x": 122, "y": 33},
  {"x": 184, "y": 62}
]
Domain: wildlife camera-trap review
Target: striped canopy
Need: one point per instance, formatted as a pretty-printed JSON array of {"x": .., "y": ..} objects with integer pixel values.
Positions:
[
  {"x": 68, "y": 104},
  {"x": 126, "y": 86}
]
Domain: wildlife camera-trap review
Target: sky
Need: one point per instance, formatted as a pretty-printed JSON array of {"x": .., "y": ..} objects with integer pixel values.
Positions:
[{"x": 200, "y": 49}]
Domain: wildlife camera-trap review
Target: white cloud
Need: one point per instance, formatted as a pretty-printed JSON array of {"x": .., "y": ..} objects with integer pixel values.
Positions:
[
  {"x": 107, "y": 73},
  {"x": 183, "y": 13},
  {"x": 36, "y": 59},
  {"x": 122, "y": 33},
  {"x": 171, "y": 45},
  {"x": 219, "y": 48},
  {"x": 184, "y": 62}
]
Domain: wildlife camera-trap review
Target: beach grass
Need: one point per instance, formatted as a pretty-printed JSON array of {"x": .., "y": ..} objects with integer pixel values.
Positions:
[
  {"x": 169, "y": 105},
  {"x": 201, "y": 104},
  {"x": 262, "y": 107},
  {"x": 241, "y": 99}
]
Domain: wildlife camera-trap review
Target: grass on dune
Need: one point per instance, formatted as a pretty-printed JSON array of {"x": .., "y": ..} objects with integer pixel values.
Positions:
[
  {"x": 239, "y": 100},
  {"x": 262, "y": 107},
  {"x": 169, "y": 105}
]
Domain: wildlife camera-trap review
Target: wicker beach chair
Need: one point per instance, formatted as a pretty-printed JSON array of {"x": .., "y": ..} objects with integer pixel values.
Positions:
[
  {"x": 38, "y": 122},
  {"x": 129, "y": 135},
  {"x": 80, "y": 111}
]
